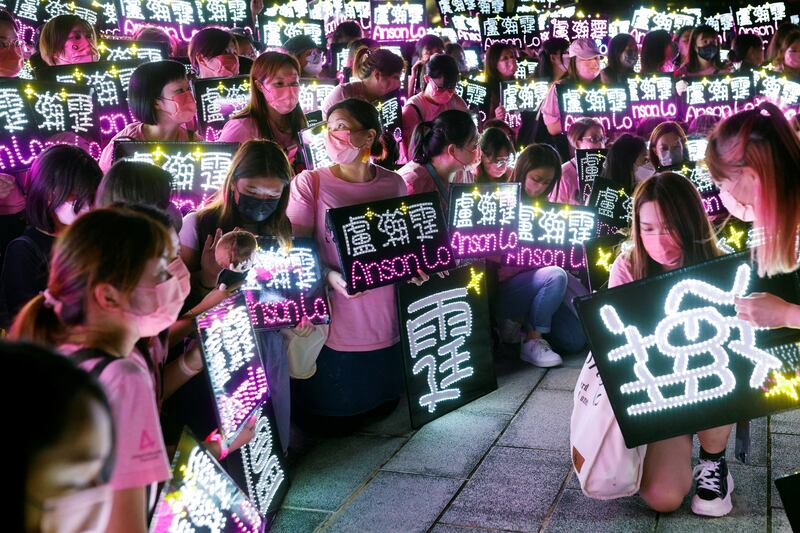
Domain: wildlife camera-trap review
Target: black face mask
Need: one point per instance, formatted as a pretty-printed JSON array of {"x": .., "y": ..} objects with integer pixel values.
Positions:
[
  {"x": 256, "y": 209},
  {"x": 708, "y": 52}
]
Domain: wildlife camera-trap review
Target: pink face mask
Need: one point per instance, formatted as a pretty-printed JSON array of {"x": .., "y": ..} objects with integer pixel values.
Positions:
[
  {"x": 154, "y": 309},
  {"x": 663, "y": 249},
  {"x": 181, "y": 108},
  {"x": 11, "y": 61},
  {"x": 282, "y": 99},
  {"x": 340, "y": 147},
  {"x": 85, "y": 511},
  {"x": 177, "y": 269},
  {"x": 223, "y": 65}
]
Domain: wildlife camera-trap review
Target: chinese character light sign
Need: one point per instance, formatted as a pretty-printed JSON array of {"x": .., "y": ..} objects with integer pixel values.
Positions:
[
  {"x": 608, "y": 104},
  {"x": 483, "y": 218},
  {"x": 589, "y": 164},
  {"x": 510, "y": 28},
  {"x": 312, "y": 141},
  {"x": 217, "y": 100},
  {"x": 398, "y": 21}
]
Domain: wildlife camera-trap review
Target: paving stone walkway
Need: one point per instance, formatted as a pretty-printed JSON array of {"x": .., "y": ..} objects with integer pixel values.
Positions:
[{"x": 501, "y": 463}]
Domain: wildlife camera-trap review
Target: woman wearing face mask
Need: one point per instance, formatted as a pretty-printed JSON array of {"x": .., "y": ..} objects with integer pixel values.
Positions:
[
  {"x": 424, "y": 50},
  {"x": 160, "y": 98},
  {"x": 500, "y": 66},
  {"x": 753, "y": 158},
  {"x": 359, "y": 370},
  {"x": 213, "y": 54},
  {"x": 12, "y": 49},
  {"x": 441, "y": 76},
  {"x": 111, "y": 283},
  {"x": 61, "y": 186},
  {"x": 628, "y": 162},
  {"x": 776, "y": 42},
  {"x": 658, "y": 53},
  {"x": 584, "y": 134},
  {"x": 668, "y": 146},
  {"x": 704, "y": 58},
  {"x": 623, "y": 53},
  {"x": 447, "y": 150},
  {"x": 379, "y": 72},
  {"x": 553, "y": 60},
  {"x": 748, "y": 51},
  {"x": 584, "y": 67},
  {"x": 670, "y": 230},
  {"x": 788, "y": 57},
  {"x": 67, "y": 40},
  {"x": 309, "y": 55},
  {"x": 497, "y": 155},
  {"x": 59, "y": 478},
  {"x": 682, "y": 39},
  {"x": 536, "y": 298},
  {"x": 273, "y": 112}
]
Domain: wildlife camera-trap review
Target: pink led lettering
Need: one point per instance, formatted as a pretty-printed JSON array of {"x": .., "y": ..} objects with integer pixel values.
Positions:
[
  {"x": 527, "y": 256},
  {"x": 390, "y": 270},
  {"x": 112, "y": 123},
  {"x": 722, "y": 111},
  {"x": 661, "y": 109},
  {"x": 244, "y": 399},
  {"x": 483, "y": 243},
  {"x": 287, "y": 312}
]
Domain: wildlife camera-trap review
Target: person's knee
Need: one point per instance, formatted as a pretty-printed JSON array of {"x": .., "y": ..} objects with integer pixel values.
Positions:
[
  {"x": 556, "y": 277},
  {"x": 663, "y": 498}
]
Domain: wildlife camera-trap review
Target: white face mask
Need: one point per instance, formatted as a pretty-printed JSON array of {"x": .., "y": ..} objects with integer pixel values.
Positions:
[
  {"x": 736, "y": 208},
  {"x": 65, "y": 213},
  {"x": 644, "y": 172},
  {"x": 85, "y": 511}
]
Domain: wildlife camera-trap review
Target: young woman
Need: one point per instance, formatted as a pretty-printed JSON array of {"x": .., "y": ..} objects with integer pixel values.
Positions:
[
  {"x": 59, "y": 479},
  {"x": 456, "y": 51},
  {"x": 424, "y": 50},
  {"x": 310, "y": 57},
  {"x": 158, "y": 35},
  {"x": 61, "y": 186},
  {"x": 682, "y": 39},
  {"x": 273, "y": 112},
  {"x": 160, "y": 98},
  {"x": 584, "y": 67},
  {"x": 346, "y": 32},
  {"x": 66, "y": 40},
  {"x": 379, "y": 72},
  {"x": 447, "y": 149},
  {"x": 628, "y": 162},
  {"x": 787, "y": 59},
  {"x": 500, "y": 66},
  {"x": 668, "y": 145},
  {"x": 213, "y": 53},
  {"x": 111, "y": 284},
  {"x": 583, "y": 134},
  {"x": 658, "y": 52},
  {"x": 776, "y": 42},
  {"x": 536, "y": 297},
  {"x": 753, "y": 157},
  {"x": 359, "y": 369},
  {"x": 441, "y": 76},
  {"x": 670, "y": 229},
  {"x": 12, "y": 49},
  {"x": 553, "y": 60},
  {"x": 704, "y": 58},
  {"x": 748, "y": 51},
  {"x": 623, "y": 53},
  {"x": 496, "y": 157}
]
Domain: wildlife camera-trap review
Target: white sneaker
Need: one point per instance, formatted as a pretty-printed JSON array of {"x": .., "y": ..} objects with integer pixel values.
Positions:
[
  {"x": 509, "y": 332},
  {"x": 539, "y": 353},
  {"x": 714, "y": 487}
]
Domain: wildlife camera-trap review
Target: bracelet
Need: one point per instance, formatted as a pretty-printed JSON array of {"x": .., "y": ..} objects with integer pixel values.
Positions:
[
  {"x": 216, "y": 437},
  {"x": 186, "y": 369}
]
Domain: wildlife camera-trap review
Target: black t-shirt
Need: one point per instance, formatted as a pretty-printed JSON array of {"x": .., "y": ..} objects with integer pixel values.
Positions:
[{"x": 25, "y": 270}]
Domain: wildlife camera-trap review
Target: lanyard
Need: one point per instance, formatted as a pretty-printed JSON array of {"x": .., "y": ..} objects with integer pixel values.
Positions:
[{"x": 444, "y": 191}]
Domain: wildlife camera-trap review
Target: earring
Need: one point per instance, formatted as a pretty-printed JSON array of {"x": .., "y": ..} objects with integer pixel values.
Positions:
[{"x": 365, "y": 156}]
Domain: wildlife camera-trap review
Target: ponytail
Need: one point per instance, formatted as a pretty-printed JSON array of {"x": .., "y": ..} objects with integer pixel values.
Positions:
[
  {"x": 420, "y": 140},
  {"x": 368, "y": 60},
  {"x": 38, "y": 322},
  {"x": 431, "y": 138}
]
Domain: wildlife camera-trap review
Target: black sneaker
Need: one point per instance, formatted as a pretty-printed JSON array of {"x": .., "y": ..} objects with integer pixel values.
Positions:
[{"x": 714, "y": 487}]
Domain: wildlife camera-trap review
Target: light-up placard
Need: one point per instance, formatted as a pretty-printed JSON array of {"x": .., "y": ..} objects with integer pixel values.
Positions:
[
  {"x": 277, "y": 30},
  {"x": 312, "y": 141},
  {"x": 389, "y": 114},
  {"x": 182, "y": 18},
  {"x": 444, "y": 325},
  {"x": 778, "y": 89},
  {"x": 736, "y": 236},
  {"x": 721, "y": 96},
  {"x": 217, "y": 100},
  {"x": 589, "y": 165},
  {"x": 614, "y": 206},
  {"x": 475, "y": 93},
  {"x": 258, "y": 466},
  {"x": 761, "y": 20},
  {"x": 696, "y": 145},
  {"x": 700, "y": 177},
  {"x": 600, "y": 254},
  {"x": 126, "y": 49},
  {"x": 645, "y": 19},
  {"x": 552, "y": 235},
  {"x": 109, "y": 83},
  {"x": 468, "y": 29},
  {"x": 789, "y": 489},
  {"x": 523, "y": 95},
  {"x": 675, "y": 358},
  {"x": 526, "y": 69},
  {"x": 607, "y": 104},
  {"x": 652, "y": 96},
  {"x": 233, "y": 364},
  {"x": 483, "y": 218},
  {"x": 198, "y": 169},
  {"x": 35, "y": 115},
  {"x": 509, "y": 28},
  {"x": 388, "y": 241},
  {"x": 292, "y": 9},
  {"x": 334, "y": 12},
  {"x": 284, "y": 287},
  {"x": 313, "y": 93},
  {"x": 102, "y": 15},
  {"x": 579, "y": 28},
  {"x": 398, "y": 21},
  {"x": 533, "y": 6},
  {"x": 469, "y": 7},
  {"x": 201, "y": 496}
]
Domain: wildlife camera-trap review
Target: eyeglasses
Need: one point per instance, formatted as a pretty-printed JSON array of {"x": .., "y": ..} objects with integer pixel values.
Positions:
[
  {"x": 446, "y": 88},
  {"x": 500, "y": 161},
  {"x": 595, "y": 139}
]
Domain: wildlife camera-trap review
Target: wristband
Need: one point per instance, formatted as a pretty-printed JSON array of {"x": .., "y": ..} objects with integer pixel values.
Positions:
[{"x": 216, "y": 437}]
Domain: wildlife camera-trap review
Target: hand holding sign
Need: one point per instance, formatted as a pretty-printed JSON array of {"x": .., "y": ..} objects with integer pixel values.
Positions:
[{"x": 767, "y": 311}]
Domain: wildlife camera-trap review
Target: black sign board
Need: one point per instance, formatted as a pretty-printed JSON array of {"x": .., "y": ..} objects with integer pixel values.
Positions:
[
  {"x": 606, "y": 103},
  {"x": 101, "y": 15},
  {"x": 285, "y": 286},
  {"x": 578, "y": 28},
  {"x": 276, "y": 30},
  {"x": 445, "y": 333},
  {"x": 675, "y": 358},
  {"x": 475, "y": 93},
  {"x": 600, "y": 254},
  {"x": 509, "y": 28},
  {"x": 523, "y": 95},
  {"x": 399, "y": 21},
  {"x": 484, "y": 218},
  {"x": 613, "y": 203},
  {"x": 721, "y": 95},
  {"x": 313, "y": 93},
  {"x": 789, "y": 491},
  {"x": 589, "y": 165},
  {"x": 389, "y": 113},
  {"x": 312, "y": 141},
  {"x": 387, "y": 241},
  {"x": 217, "y": 100},
  {"x": 699, "y": 175},
  {"x": 126, "y": 49},
  {"x": 198, "y": 169}
]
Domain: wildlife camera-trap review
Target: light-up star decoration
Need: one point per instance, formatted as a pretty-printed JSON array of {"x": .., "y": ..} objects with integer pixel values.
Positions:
[
  {"x": 735, "y": 237},
  {"x": 474, "y": 281},
  {"x": 783, "y": 386},
  {"x": 604, "y": 259},
  {"x": 701, "y": 382}
]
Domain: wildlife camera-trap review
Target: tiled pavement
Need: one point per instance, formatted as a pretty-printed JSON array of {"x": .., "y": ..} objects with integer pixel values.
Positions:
[{"x": 501, "y": 463}]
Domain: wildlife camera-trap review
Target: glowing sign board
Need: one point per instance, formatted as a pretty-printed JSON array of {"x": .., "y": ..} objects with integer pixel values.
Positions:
[
  {"x": 217, "y": 100},
  {"x": 589, "y": 164},
  {"x": 313, "y": 93},
  {"x": 509, "y": 28},
  {"x": 277, "y": 30},
  {"x": 398, "y": 21},
  {"x": 483, "y": 218},
  {"x": 613, "y": 203},
  {"x": 312, "y": 141},
  {"x": 721, "y": 96}
]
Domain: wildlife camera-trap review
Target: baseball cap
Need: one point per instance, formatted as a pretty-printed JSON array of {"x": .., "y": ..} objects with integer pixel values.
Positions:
[
  {"x": 299, "y": 44},
  {"x": 584, "y": 48}
]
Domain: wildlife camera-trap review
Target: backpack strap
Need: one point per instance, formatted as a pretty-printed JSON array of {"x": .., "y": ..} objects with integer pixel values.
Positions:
[
  {"x": 419, "y": 113},
  {"x": 40, "y": 255},
  {"x": 86, "y": 354}
]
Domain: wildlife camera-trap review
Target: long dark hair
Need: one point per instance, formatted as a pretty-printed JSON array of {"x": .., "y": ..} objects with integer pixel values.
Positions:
[
  {"x": 616, "y": 70},
  {"x": 431, "y": 138},
  {"x": 544, "y": 69},
  {"x": 537, "y": 156},
  {"x": 621, "y": 157},
  {"x": 653, "y": 46},
  {"x": 693, "y": 64},
  {"x": 367, "y": 116}
]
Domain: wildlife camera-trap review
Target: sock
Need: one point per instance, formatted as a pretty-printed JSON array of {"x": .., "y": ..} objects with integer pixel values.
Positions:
[{"x": 711, "y": 456}]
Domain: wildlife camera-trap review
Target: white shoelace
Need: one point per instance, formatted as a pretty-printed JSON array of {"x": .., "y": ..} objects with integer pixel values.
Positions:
[{"x": 707, "y": 476}]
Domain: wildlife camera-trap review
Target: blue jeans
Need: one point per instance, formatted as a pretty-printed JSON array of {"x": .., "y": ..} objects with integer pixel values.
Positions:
[{"x": 538, "y": 296}]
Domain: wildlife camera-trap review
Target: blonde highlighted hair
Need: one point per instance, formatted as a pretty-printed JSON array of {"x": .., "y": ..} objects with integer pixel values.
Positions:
[{"x": 55, "y": 34}]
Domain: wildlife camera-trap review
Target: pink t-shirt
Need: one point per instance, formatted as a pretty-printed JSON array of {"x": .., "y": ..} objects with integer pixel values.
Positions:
[
  {"x": 131, "y": 131},
  {"x": 141, "y": 457},
  {"x": 567, "y": 191},
  {"x": 245, "y": 129},
  {"x": 369, "y": 321},
  {"x": 620, "y": 272},
  {"x": 11, "y": 198},
  {"x": 550, "y": 111},
  {"x": 343, "y": 91},
  {"x": 417, "y": 178},
  {"x": 429, "y": 111}
]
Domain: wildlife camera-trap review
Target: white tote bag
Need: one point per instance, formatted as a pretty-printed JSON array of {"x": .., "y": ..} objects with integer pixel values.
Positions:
[{"x": 606, "y": 468}]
